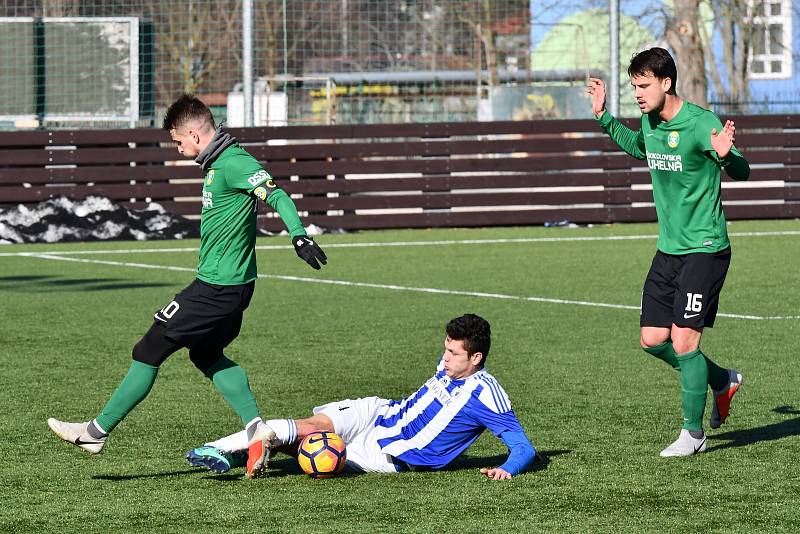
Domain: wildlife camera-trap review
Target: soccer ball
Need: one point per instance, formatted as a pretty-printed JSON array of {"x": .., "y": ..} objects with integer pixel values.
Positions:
[{"x": 321, "y": 454}]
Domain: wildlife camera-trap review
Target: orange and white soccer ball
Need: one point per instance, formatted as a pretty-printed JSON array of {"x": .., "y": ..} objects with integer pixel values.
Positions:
[{"x": 322, "y": 454}]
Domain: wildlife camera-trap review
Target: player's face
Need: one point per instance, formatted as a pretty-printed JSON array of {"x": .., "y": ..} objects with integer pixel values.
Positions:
[
  {"x": 187, "y": 143},
  {"x": 650, "y": 92},
  {"x": 458, "y": 363}
]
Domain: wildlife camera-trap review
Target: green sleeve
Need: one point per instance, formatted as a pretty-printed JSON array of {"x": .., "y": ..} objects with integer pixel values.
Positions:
[
  {"x": 244, "y": 172},
  {"x": 628, "y": 140},
  {"x": 284, "y": 205},
  {"x": 734, "y": 163},
  {"x": 736, "y": 166}
]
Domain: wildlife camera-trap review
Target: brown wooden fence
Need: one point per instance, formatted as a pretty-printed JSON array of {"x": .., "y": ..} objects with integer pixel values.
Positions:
[{"x": 407, "y": 175}]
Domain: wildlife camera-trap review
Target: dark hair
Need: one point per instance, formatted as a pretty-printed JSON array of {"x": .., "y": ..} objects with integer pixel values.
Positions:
[
  {"x": 659, "y": 62},
  {"x": 186, "y": 109},
  {"x": 474, "y": 331}
]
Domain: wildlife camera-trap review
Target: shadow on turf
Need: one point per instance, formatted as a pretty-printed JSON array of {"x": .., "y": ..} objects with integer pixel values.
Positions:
[
  {"x": 119, "y": 478},
  {"x": 749, "y": 436},
  {"x": 473, "y": 462},
  {"x": 288, "y": 466},
  {"x": 37, "y": 283}
]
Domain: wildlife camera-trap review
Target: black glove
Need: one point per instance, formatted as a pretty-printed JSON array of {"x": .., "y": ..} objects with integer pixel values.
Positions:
[{"x": 309, "y": 251}]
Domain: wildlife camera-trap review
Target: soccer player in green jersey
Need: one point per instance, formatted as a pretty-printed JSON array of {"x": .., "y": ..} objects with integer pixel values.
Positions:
[
  {"x": 686, "y": 147},
  {"x": 207, "y": 315}
]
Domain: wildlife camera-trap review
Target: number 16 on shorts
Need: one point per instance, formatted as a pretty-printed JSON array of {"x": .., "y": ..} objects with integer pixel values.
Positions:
[{"x": 694, "y": 305}]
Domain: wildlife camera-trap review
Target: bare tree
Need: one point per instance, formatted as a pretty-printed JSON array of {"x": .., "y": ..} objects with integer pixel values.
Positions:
[
  {"x": 733, "y": 18},
  {"x": 284, "y": 51},
  {"x": 683, "y": 35},
  {"x": 189, "y": 54}
]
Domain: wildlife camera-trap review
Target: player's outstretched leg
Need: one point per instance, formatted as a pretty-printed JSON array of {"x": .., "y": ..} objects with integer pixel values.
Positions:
[
  {"x": 215, "y": 459},
  {"x": 85, "y": 435},
  {"x": 91, "y": 435},
  {"x": 723, "y": 397}
]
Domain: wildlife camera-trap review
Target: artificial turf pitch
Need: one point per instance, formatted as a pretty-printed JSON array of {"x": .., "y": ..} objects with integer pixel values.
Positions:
[{"x": 565, "y": 346}]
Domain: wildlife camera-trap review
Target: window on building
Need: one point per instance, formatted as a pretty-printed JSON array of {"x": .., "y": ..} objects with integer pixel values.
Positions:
[{"x": 772, "y": 40}]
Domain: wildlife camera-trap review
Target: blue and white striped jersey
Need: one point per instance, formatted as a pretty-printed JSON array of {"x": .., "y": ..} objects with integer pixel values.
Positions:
[{"x": 443, "y": 417}]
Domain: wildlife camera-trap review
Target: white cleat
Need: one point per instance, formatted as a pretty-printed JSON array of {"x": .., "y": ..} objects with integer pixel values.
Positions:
[
  {"x": 685, "y": 445},
  {"x": 77, "y": 434},
  {"x": 258, "y": 450}
]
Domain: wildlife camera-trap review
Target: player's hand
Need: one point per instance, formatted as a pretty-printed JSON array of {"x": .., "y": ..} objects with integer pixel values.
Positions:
[
  {"x": 597, "y": 88},
  {"x": 495, "y": 473},
  {"x": 723, "y": 141},
  {"x": 309, "y": 251}
]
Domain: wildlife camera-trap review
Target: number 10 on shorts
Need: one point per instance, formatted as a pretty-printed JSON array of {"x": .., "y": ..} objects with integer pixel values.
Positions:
[{"x": 694, "y": 302}]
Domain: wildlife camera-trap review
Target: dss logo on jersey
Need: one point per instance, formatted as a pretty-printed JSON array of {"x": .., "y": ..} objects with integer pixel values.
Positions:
[{"x": 259, "y": 177}]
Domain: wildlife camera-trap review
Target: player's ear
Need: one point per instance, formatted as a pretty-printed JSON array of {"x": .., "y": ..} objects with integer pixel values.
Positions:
[
  {"x": 666, "y": 84},
  {"x": 476, "y": 359}
]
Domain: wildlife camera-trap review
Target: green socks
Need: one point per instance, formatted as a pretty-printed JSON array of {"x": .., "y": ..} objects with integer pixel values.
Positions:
[
  {"x": 130, "y": 392},
  {"x": 697, "y": 372},
  {"x": 227, "y": 377},
  {"x": 666, "y": 353},
  {"x": 231, "y": 381},
  {"x": 694, "y": 388},
  {"x": 718, "y": 377}
]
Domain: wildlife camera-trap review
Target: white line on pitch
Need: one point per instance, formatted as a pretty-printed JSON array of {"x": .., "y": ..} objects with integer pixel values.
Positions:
[
  {"x": 400, "y": 288},
  {"x": 401, "y": 243}
]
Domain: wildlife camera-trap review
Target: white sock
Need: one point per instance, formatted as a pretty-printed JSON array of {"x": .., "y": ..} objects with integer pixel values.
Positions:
[
  {"x": 234, "y": 442},
  {"x": 285, "y": 430}
]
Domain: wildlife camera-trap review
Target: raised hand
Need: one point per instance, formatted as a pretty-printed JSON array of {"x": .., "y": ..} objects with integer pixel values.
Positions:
[
  {"x": 723, "y": 141},
  {"x": 597, "y": 88}
]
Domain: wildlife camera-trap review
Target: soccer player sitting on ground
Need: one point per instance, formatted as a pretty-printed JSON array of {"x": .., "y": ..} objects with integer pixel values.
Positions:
[
  {"x": 426, "y": 430},
  {"x": 686, "y": 147},
  {"x": 207, "y": 315}
]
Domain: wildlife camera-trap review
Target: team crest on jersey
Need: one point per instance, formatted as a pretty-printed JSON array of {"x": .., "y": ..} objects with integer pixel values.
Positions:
[
  {"x": 210, "y": 177},
  {"x": 673, "y": 139}
]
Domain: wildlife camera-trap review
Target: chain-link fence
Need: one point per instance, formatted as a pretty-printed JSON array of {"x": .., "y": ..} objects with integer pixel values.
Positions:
[
  {"x": 112, "y": 63},
  {"x": 121, "y": 62}
]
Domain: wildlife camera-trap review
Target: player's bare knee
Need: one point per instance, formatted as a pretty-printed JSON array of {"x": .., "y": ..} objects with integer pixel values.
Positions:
[
  {"x": 652, "y": 339},
  {"x": 685, "y": 339},
  {"x": 685, "y": 346}
]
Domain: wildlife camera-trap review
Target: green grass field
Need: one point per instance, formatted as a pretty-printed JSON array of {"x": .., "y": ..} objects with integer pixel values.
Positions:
[{"x": 589, "y": 398}]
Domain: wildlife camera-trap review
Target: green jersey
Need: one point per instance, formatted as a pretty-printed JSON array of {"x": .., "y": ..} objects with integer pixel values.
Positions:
[
  {"x": 228, "y": 217},
  {"x": 685, "y": 171}
]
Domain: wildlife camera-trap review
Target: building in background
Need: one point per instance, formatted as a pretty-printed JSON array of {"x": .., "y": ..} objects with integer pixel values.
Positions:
[
  {"x": 103, "y": 63},
  {"x": 767, "y": 82}
]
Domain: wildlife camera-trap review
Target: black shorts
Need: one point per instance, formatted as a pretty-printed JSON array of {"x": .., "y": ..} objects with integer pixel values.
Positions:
[
  {"x": 206, "y": 314},
  {"x": 684, "y": 290}
]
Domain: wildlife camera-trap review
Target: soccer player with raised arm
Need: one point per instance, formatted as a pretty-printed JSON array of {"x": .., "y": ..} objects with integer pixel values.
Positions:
[
  {"x": 207, "y": 315},
  {"x": 426, "y": 430},
  {"x": 686, "y": 148}
]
